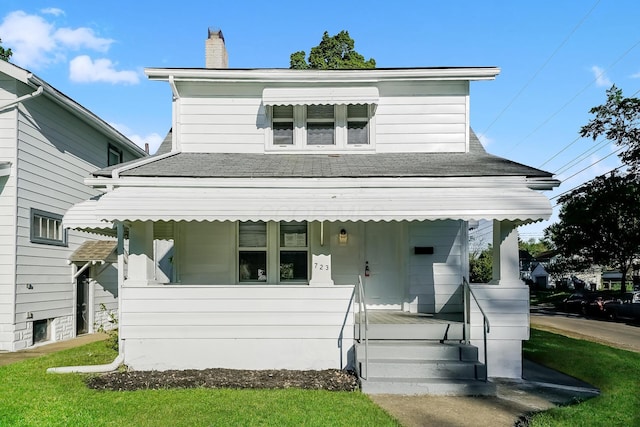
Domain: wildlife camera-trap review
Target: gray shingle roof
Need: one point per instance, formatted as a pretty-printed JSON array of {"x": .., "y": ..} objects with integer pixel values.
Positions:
[{"x": 477, "y": 162}]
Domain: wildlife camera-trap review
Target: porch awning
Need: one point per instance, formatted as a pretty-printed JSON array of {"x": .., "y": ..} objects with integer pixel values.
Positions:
[
  {"x": 320, "y": 96},
  {"x": 310, "y": 204}
]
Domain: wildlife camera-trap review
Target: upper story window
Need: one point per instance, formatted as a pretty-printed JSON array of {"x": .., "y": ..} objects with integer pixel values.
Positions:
[
  {"x": 47, "y": 228},
  {"x": 320, "y": 118},
  {"x": 114, "y": 155},
  {"x": 320, "y": 127}
]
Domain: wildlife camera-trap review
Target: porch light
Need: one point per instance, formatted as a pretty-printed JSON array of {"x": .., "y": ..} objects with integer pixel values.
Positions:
[{"x": 343, "y": 237}]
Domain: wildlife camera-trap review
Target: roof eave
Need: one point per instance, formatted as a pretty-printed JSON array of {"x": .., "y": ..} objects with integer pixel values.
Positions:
[{"x": 300, "y": 76}]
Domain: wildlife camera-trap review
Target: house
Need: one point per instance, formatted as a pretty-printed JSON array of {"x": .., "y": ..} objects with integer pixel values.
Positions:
[
  {"x": 48, "y": 145},
  {"x": 283, "y": 190}
]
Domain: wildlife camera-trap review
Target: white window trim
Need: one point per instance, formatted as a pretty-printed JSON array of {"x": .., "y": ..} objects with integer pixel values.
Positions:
[{"x": 340, "y": 133}]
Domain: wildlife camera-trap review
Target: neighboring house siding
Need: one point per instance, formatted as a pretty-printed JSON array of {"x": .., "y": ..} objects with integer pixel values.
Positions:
[
  {"x": 56, "y": 152},
  {"x": 432, "y": 117},
  {"x": 7, "y": 213},
  {"x": 241, "y": 327},
  {"x": 434, "y": 280}
]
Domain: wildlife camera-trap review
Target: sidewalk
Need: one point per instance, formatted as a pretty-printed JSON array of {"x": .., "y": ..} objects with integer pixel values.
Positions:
[
  {"x": 47, "y": 348},
  {"x": 540, "y": 389}
]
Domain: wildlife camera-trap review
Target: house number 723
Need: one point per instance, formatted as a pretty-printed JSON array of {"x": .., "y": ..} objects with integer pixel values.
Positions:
[{"x": 318, "y": 266}]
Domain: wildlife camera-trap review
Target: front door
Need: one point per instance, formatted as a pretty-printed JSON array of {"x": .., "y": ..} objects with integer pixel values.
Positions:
[
  {"x": 384, "y": 280},
  {"x": 82, "y": 307}
]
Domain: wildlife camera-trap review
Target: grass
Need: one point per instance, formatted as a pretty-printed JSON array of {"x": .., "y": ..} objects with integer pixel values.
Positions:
[
  {"x": 615, "y": 372},
  {"x": 31, "y": 397}
]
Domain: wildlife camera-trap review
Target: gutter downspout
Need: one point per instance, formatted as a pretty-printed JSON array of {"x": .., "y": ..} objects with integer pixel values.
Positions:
[{"x": 35, "y": 94}]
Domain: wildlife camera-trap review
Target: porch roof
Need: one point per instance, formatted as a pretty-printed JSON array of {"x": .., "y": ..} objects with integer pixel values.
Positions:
[{"x": 304, "y": 203}]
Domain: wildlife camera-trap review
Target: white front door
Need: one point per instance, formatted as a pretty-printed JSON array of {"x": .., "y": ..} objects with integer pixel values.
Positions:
[{"x": 384, "y": 282}]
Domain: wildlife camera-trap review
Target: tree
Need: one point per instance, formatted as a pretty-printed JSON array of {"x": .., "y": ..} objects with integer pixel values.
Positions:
[
  {"x": 481, "y": 265},
  {"x": 333, "y": 52},
  {"x": 5, "y": 54},
  {"x": 619, "y": 121},
  {"x": 534, "y": 247},
  {"x": 600, "y": 222}
]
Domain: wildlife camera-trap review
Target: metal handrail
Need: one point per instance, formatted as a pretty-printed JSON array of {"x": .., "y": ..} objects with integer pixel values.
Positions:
[
  {"x": 362, "y": 310},
  {"x": 486, "y": 327}
]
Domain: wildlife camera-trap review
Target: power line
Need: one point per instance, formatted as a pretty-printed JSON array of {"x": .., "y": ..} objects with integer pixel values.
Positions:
[
  {"x": 580, "y": 157},
  {"x": 580, "y": 185},
  {"x": 541, "y": 68}
]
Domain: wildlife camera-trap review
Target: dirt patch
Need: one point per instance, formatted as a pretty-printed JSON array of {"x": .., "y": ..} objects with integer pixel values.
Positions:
[{"x": 330, "y": 379}]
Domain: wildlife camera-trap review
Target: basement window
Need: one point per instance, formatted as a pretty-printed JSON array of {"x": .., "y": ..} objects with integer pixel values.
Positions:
[{"x": 41, "y": 331}]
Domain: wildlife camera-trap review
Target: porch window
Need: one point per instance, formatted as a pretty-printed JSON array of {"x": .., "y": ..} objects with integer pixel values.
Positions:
[
  {"x": 293, "y": 251},
  {"x": 252, "y": 242},
  {"x": 273, "y": 252}
]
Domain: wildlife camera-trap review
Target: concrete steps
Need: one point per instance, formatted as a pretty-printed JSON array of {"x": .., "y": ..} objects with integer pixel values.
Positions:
[{"x": 416, "y": 366}]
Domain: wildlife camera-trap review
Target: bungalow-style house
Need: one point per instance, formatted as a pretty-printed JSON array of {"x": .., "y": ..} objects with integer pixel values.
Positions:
[
  {"x": 48, "y": 145},
  {"x": 318, "y": 219}
]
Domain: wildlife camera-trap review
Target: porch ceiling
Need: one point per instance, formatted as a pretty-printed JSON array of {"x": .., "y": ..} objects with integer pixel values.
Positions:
[{"x": 310, "y": 204}]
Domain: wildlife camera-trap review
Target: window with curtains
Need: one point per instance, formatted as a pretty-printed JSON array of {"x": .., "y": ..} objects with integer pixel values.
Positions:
[
  {"x": 273, "y": 252},
  {"x": 321, "y": 127}
]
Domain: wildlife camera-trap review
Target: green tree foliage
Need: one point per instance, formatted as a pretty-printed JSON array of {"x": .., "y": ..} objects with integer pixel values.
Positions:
[
  {"x": 333, "y": 52},
  {"x": 619, "y": 121},
  {"x": 5, "y": 54},
  {"x": 600, "y": 222},
  {"x": 481, "y": 265},
  {"x": 535, "y": 247}
]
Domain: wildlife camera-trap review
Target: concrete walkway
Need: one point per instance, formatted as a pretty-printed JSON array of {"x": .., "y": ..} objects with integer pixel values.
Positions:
[
  {"x": 541, "y": 388},
  {"x": 47, "y": 348}
]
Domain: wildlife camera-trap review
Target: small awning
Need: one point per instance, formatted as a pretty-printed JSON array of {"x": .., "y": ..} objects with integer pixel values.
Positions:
[
  {"x": 320, "y": 96},
  {"x": 5, "y": 168},
  {"x": 309, "y": 204},
  {"x": 95, "y": 251}
]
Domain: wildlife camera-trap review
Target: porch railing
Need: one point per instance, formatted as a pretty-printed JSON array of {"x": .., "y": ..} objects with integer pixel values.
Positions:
[
  {"x": 486, "y": 327},
  {"x": 363, "y": 326}
]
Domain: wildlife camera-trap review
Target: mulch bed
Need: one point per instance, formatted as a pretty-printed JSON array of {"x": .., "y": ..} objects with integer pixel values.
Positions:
[{"x": 329, "y": 379}]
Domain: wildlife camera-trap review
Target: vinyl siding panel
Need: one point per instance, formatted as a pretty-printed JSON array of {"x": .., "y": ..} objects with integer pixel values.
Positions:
[
  {"x": 248, "y": 327},
  {"x": 8, "y": 132},
  {"x": 424, "y": 117},
  {"x": 434, "y": 280}
]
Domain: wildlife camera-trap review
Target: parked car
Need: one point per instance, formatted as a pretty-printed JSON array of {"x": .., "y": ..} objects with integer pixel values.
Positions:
[
  {"x": 587, "y": 303},
  {"x": 626, "y": 305}
]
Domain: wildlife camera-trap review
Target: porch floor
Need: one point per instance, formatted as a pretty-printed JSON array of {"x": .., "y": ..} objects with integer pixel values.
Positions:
[{"x": 396, "y": 317}]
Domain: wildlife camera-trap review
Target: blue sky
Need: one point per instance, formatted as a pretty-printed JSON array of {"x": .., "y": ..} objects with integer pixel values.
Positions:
[{"x": 557, "y": 59}]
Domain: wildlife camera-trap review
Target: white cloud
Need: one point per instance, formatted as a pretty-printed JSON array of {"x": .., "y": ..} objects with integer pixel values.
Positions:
[
  {"x": 82, "y": 69},
  {"x": 601, "y": 78},
  {"x": 81, "y": 37},
  {"x": 52, "y": 11},
  {"x": 153, "y": 139},
  {"x": 37, "y": 43},
  {"x": 635, "y": 76}
]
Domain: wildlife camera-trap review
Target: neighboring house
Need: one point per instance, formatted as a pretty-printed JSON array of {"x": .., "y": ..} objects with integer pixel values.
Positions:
[
  {"x": 282, "y": 189},
  {"x": 48, "y": 145}
]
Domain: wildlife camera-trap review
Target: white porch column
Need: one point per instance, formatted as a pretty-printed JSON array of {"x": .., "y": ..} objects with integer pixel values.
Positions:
[
  {"x": 141, "y": 264},
  {"x": 505, "y": 300},
  {"x": 506, "y": 263}
]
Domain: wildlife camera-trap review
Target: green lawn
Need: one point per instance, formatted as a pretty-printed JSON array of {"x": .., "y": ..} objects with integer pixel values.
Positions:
[
  {"x": 615, "y": 372},
  {"x": 31, "y": 397}
]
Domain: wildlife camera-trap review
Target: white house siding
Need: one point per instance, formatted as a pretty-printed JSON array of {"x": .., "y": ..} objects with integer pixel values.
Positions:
[
  {"x": 221, "y": 119},
  {"x": 434, "y": 280},
  {"x": 430, "y": 117},
  {"x": 237, "y": 327},
  {"x": 7, "y": 213},
  {"x": 56, "y": 151}
]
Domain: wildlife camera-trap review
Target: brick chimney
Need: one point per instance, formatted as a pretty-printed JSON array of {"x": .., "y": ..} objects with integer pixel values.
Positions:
[{"x": 214, "y": 50}]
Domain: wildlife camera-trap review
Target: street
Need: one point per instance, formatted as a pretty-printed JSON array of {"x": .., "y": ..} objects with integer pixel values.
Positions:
[{"x": 621, "y": 334}]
